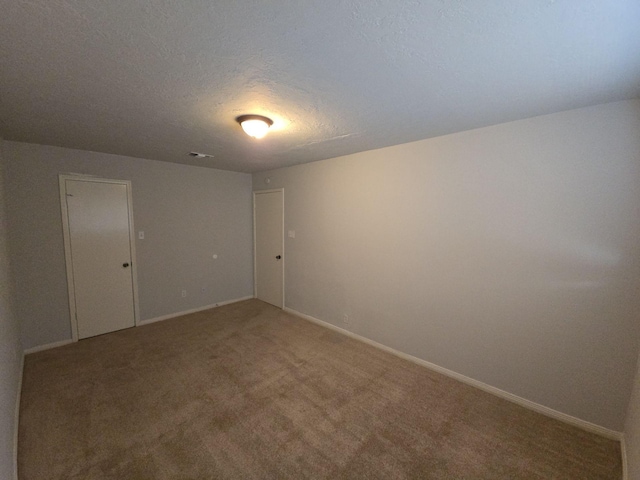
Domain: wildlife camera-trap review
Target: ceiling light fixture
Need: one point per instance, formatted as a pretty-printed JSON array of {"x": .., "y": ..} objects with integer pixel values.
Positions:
[{"x": 255, "y": 126}]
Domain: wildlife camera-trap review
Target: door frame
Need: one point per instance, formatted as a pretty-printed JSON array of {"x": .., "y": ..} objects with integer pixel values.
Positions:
[
  {"x": 62, "y": 178},
  {"x": 284, "y": 257}
]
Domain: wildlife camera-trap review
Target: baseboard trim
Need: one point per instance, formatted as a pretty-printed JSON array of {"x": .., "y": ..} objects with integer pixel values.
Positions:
[
  {"x": 61, "y": 343},
  {"x": 563, "y": 417},
  {"x": 193, "y": 310},
  {"x": 48, "y": 346},
  {"x": 16, "y": 421},
  {"x": 625, "y": 466}
]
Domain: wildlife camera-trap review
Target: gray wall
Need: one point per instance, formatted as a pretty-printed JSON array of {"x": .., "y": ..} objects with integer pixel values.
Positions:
[
  {"x": 632, "y": 429},
  {"x": 187, "y": 213},
  {"x": 509, "y": 254},
  {"x": 10, "y": 347}
]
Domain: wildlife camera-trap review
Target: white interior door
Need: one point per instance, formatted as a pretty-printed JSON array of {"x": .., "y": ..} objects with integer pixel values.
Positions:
[
  {"x": 100, "y": 248},
  {"x": 268, "y": 216}
]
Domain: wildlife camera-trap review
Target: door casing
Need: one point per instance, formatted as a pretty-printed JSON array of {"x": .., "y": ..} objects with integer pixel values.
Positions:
[
  {"x": 284, "y": 257},
  {"x": 67, "y": 245}
]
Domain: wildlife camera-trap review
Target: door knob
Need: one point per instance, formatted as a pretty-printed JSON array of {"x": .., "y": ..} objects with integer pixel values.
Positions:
[
  {"x": 125, "y": 265},
  {"x": 278, "y": 257}
]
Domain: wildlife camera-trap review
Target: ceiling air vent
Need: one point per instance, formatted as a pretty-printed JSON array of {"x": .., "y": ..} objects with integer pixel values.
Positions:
[{"x": 200, "y": 155}]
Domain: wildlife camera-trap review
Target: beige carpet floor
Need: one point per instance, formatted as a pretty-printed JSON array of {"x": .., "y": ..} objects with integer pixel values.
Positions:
[{"x": 247, "y": 391}]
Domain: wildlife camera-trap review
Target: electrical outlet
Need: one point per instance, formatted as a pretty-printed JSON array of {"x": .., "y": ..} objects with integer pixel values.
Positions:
[
  {"x": 184, "y": 293},
  {"x": 345, "y": 320}
]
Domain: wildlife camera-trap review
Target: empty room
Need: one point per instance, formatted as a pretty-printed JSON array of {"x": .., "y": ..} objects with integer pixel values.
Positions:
[{"x": 348, "y": 240}]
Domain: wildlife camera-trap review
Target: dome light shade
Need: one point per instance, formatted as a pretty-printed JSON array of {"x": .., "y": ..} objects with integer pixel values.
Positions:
[{"x": 255, "y": 126}]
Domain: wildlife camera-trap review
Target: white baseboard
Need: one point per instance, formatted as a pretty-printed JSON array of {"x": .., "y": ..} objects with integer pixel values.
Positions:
[
  {"x": 61, "y": 343},
  {"x": 625, "y": 467},
  {"x": 48, "y": 346},
  {"x": 193, "y": 310},
  {"x": 563, "y": 417},
  {"x": 16, "y": 422}
]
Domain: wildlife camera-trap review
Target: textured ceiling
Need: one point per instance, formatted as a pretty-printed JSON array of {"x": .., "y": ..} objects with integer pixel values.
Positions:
[{"x": 157, "y": 79}]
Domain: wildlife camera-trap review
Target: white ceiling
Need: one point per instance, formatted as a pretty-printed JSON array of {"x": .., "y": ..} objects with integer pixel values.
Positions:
[{"x": 157, "y": 79}]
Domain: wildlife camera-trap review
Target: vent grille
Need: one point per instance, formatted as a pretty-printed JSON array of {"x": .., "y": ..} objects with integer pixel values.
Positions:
[{"x": 200, "y": 155}]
